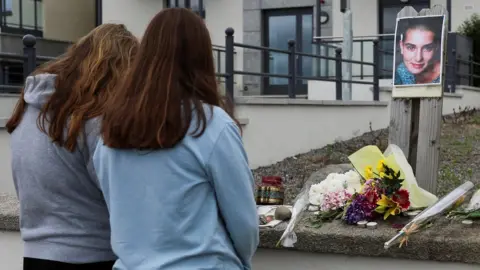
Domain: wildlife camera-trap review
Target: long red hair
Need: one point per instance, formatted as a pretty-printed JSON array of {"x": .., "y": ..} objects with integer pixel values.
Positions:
[
  {"x": 171, "y": 79},
  {"x": 88, "y": 74}
]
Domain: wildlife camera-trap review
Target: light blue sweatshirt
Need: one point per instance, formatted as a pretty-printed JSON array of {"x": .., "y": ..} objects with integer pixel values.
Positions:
[{"x": 190, "y": 207}]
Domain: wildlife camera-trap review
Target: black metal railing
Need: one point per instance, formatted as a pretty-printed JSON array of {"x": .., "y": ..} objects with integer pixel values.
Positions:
[
  {"x": 460, "y": 70},
  {"x": 293, "y": 75},
  {"x": 14, "y": 68},
  {"x": 363, "y": 50}
]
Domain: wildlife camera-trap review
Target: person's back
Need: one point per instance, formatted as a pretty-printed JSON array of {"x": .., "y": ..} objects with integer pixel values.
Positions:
[
  {"x": 64, "y": 219},
  {"x": 176, "y": 178},
  {"x": 171, "y": 218},
  {"x": 63, "y": 213}
]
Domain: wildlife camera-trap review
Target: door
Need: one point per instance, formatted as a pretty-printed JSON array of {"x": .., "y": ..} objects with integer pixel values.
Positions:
[
  {"x": 388, "y": 10},
  {"x": 280, "y": 26}
]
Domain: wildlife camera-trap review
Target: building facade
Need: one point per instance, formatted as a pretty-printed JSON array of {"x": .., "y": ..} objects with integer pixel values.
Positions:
[{"x": 269, "y": 23}]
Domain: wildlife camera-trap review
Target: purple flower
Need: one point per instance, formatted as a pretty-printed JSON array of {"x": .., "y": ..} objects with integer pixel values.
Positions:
[{"x": 360, "y": 209}]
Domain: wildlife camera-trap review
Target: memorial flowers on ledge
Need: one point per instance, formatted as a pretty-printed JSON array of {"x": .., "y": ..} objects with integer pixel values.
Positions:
[
  {"x": 382, "y": 194},
  {"x": 330, "y": 196}
]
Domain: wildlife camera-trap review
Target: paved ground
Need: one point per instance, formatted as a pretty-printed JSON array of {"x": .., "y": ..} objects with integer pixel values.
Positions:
[
  {"x": 11, "y": 259},
  {"x": 290, "y": 260}
]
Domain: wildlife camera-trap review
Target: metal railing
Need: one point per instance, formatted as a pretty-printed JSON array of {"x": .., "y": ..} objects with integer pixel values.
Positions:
[
  {"x": 19, "y": 65},
  {"x": 363, "y": 51},
  {"x": 293, "y": 76},
  {"x": 458, "y": 69}
]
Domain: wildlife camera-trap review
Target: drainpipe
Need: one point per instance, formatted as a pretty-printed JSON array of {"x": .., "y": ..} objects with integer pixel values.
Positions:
[
  {"x": 347, "y": 49},
  {"x": 98, "y": 11},
  {"x": 202, "y": 9},
  {"x": 318, "y": 33},
  {"x": 449, "y": 9}
]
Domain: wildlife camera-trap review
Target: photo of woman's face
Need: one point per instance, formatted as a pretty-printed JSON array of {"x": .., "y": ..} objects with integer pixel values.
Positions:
[{"x": 418, "y": 47}]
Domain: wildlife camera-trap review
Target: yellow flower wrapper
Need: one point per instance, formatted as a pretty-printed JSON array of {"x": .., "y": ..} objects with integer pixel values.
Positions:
[{"x": 394, "y": 158}]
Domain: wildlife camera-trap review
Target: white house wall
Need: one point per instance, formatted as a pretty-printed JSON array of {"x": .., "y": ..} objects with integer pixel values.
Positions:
[
  {"x": 67, "y": 20},
  {"x": 463, "y": 9},
  {"x": 135, "y": 14}
]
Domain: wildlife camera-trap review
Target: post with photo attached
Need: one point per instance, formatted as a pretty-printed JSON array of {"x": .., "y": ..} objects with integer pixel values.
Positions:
[{"x": 417, "y": 93}]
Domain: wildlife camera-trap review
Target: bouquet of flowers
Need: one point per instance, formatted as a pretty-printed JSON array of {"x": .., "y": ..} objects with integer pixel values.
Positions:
[
  {"x": 332, "y": 194},
  {"x": 382, "y": 194},
  {"x": 429, "y": 214}
]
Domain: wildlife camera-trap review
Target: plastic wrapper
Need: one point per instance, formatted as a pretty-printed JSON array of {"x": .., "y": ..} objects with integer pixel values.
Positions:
[
  {"x": 395, "y": 158},
  {"x": 474, "y": 203},
  {"x": 289, "y": 238},
  {"x": 430, "y": 213}
]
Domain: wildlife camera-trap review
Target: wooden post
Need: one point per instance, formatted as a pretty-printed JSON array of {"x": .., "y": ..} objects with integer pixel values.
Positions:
[{"x": 415, "y": 122}]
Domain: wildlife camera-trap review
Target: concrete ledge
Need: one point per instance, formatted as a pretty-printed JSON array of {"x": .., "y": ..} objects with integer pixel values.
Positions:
[
  {"x": 469, "y": 88},
  {"x": 305, "y": 102},
  {"x": 444, "y": 241},
  {"x": 453, "y": 95},
  {"x": 243, "y": 121},
  {"x": 9, "y": 213},
  {"x": 445, "y": 94},
  {"x": 3, "y": 122}
]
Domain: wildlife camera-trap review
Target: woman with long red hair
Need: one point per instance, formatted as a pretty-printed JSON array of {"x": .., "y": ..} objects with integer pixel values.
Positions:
[
  {"x": 171, "y": 162},
  {"x": 54, "y": 129}
]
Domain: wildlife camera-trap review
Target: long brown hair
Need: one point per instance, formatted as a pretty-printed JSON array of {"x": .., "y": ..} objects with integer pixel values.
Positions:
[
  {"x": 87, "y": 76},
  {"x": 172, "y": 77}
]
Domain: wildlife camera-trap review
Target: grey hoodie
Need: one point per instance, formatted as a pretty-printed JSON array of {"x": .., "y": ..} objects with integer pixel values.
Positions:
[{"x": 63, "y": 215}]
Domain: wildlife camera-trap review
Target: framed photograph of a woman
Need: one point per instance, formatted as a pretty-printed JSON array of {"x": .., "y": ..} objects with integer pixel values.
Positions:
[{"x": 419, "y": 51}]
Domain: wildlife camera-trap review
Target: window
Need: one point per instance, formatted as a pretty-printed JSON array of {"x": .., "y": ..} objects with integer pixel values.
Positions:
[
  {"x": 22, "y": 17},
  {"x": 195, "y": 5},
  {"x": 6, "y": 7}
]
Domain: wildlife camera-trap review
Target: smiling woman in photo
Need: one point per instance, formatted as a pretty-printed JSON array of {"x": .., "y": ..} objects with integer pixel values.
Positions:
[{"x": 420, "y": 51}]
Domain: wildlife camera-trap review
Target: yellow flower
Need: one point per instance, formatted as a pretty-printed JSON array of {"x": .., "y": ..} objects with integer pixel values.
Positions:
[
  {"x": 380, "y": 166},
  {"x": 387, "y": 207},
  {"x": 382, "y": 175},
  {"x": 368, "y": 172}
]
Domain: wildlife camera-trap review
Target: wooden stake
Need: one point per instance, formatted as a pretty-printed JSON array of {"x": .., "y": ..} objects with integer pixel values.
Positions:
[{"x": 415, "y": 123}]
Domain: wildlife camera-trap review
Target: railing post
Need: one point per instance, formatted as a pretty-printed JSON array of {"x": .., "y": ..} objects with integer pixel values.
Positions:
[
  {"x": 455, "y": 71},
  {"x": 470, "y": 68},
  {"x": 376, "y": 71},
  {"x": 292, "y": 70},
  {"x": 29, "y": 52},
  {"x": 338, "y": 73},
  {"x": 229, "y": 51}
]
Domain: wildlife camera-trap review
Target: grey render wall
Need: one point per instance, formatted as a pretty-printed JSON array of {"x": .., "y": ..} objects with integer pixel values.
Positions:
[{"x": 252, "y": 33}]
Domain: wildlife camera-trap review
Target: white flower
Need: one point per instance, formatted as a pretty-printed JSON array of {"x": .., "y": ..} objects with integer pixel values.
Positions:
[
  {"x": 334, "y": 182},
  {"x": 353, "y": 179}
]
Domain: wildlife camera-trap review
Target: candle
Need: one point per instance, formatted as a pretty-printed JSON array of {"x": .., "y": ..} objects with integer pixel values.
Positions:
[
  {"x": 372, "y": 225},
  {"x": 362, "y": 224}
]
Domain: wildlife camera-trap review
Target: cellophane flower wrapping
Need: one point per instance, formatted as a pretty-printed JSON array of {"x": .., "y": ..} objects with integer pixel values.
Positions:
[
  {"x": 330, "y": 194},
  {"x": 395, "y": 158},
  {"x": 474, "y": 203},
  {"x": 289, "y": 238},
  {"x": 431, "y": 213}
]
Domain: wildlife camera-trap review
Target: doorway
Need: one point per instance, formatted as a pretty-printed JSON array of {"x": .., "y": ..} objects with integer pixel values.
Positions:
[{"x": 279, "y": 27}]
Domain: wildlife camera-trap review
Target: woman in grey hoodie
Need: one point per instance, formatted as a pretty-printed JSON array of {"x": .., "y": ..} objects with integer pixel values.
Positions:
[{"x": 64, "y": 220}]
